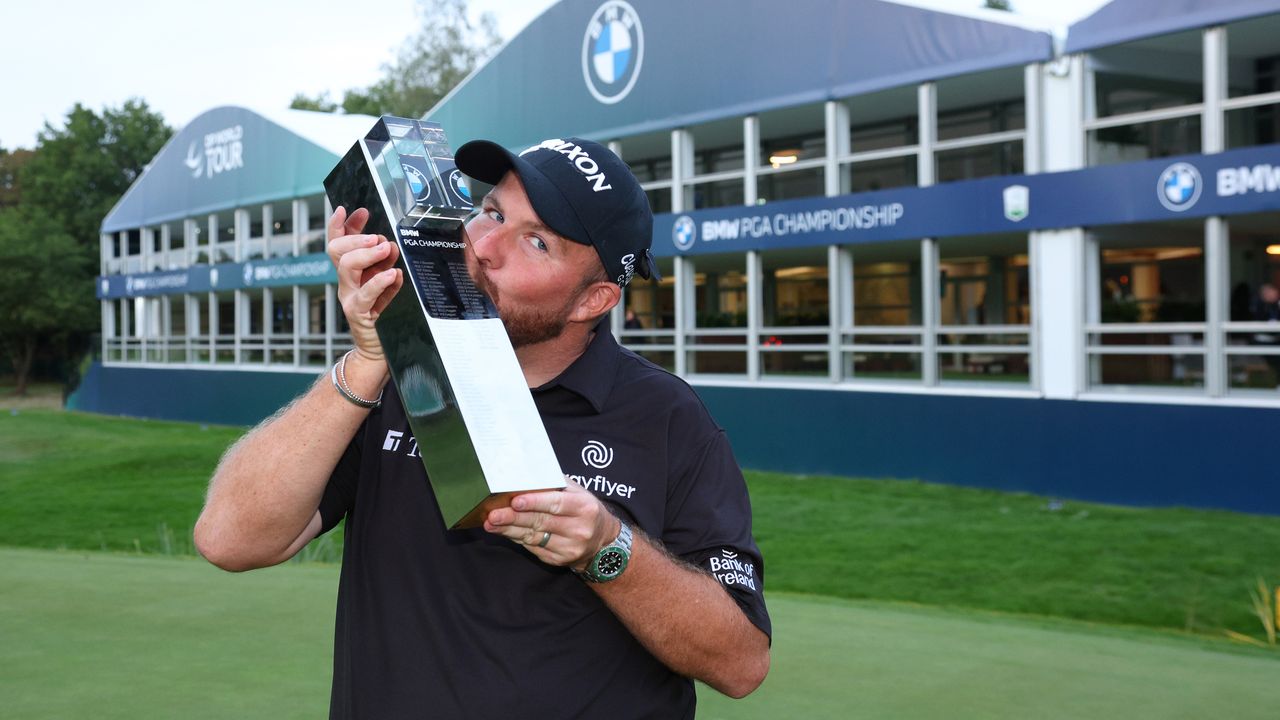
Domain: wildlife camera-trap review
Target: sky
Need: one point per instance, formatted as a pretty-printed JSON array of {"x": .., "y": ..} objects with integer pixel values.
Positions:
[{"x": 184, "y": 58}]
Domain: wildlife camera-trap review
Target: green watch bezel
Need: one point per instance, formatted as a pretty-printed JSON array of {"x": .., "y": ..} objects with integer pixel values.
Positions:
[{"x": 620, "y": 546}]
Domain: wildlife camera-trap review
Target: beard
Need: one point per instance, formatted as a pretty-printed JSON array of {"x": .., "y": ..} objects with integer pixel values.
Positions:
[{"x": 526, "y": 326}]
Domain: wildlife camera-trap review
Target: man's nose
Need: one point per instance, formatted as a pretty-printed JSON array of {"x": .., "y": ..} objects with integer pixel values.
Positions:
[{"x": 485, "y": 241}]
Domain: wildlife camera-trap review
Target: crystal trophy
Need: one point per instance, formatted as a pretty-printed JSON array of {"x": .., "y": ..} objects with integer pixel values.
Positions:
[{"x": 473, "y": 420}]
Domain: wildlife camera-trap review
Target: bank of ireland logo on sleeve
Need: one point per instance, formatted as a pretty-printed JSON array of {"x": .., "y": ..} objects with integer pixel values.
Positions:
[
  {"x": 684, "y": 233},
  {"x": 612, "y": 51},
  {"x": 597, "y": 455},
  {"x": 1179, "y": 186}
]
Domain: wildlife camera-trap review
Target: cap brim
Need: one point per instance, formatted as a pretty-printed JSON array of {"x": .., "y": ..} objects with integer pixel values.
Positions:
[{"x": 488, "y": 162}]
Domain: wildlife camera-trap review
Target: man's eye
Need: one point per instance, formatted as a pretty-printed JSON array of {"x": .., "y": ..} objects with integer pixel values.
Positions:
[
  {"x": 538, "y": 243},
  {"x": 495, "y": 216}
]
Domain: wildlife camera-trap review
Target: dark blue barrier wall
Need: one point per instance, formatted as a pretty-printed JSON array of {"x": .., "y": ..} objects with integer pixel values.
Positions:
[
  {"x": 227, "y": 397},
  {"x": 1129, "y": 453}
]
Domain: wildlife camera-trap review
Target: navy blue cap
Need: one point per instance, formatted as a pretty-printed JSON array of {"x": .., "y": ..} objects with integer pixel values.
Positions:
[{"x": 581, "y": 190}]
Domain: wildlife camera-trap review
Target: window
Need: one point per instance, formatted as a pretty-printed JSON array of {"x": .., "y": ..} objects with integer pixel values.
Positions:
[
  {"x": 984, "y": 309},
  {"x": 796, "y": 310},
  {"x": 1146, "y": 318},
  {"x": 1253, "y": 322},
  {"x": 884, "y": 342},
  {"x": 718, "y": 341}
]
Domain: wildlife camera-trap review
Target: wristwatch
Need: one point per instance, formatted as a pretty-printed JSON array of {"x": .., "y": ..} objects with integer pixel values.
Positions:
[{"x": 612, "y": 559}]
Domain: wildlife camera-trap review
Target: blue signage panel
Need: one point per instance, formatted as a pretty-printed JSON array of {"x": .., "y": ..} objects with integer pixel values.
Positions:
[
  {"x": 311, "y": 269},
  {"x": 1230, "y": 183},
  {"x": 613, "y": 68}
]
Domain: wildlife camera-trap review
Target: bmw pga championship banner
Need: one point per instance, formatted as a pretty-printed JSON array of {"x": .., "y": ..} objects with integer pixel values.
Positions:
[
  {"x": 1229, "y": 183},
  {"x": 314, "y": 269}
]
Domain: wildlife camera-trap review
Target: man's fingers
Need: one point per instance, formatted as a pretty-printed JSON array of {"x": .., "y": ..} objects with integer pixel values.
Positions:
[
  {"x": 347, "y": 243},
  {"x": 369, "y": 295},
  {"x": 355, "y": 224},
  {"x": 341, "y": 224},
  {"x": 388, "y": 294},
  {"x": 547, "y": 502},
  {"x": 352, "y": 265}
]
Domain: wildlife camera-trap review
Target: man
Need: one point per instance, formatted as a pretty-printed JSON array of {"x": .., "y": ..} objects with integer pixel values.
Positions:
[
  {"x": 522, "y": 617},
  {"x": 1267, "y": 309}
]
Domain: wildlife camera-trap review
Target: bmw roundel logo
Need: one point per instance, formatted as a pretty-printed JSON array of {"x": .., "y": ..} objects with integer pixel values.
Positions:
[
  {"x": 458, "y": 182},
  {"x": 612, "y": 51},
  {"x": 418, "y": 182},
  {"x": 685, "y": 232},
  {"x": 1179, "y": 186}
]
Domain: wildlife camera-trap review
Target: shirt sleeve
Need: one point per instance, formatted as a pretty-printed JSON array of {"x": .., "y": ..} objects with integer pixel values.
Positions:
[
  {"x": 340, "y": 494},
  {"x": 709, "y": 526}
]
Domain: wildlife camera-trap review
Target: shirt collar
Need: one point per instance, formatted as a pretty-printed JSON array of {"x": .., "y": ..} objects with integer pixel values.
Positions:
[{"x": 591, "y": 375}]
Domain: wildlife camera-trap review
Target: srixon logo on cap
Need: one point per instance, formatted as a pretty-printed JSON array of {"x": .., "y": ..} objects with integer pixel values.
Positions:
[{"x": 582, "y": 162}]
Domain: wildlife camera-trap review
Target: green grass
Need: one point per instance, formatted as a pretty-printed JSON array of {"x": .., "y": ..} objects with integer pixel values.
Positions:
[
  {"x": 77, "y": 481},
  {"x": 942, "y": 545},
  {"x": 110, "y": 636},
  {"x": 73, "y": 480}
]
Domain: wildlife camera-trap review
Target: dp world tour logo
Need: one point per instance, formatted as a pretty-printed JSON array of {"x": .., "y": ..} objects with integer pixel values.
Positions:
[
  {"x": 418, "y": 182},
  {"x": 194, "y": 161},
  {"x": 612, "y": 51},
  {"x": 597, "y": 455},
  {"x": 1179, "y": 186},
  {"x": 684, "y": 233}
]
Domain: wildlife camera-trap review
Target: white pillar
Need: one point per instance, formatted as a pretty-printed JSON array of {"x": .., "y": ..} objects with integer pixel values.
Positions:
[
  {"x": 929, "y": 311},
  {"x": 268, "y": 229},
  {"x": 681, "y": 169},
  {"x": 750, "y": 159},
  {"x": 1213, "y": 124},
  {"x": 836, "y": 182},
  {"x": 927, "y": 108},
  {"x": 240, "y": 226},
  {"x": 755, "y": 312},
  {"x": 839, "y": 304},
  {"x": 1063, "y": 111},
  {"x": 1058, "y": 285},
  {"x": 684, "y": 271},
  {"x": 1216, "y": 282},
  {"x": 1033, "y": 88}
]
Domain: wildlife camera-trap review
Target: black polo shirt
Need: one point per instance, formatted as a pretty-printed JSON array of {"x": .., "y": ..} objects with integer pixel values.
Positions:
[{"x": 463, "y": 624}]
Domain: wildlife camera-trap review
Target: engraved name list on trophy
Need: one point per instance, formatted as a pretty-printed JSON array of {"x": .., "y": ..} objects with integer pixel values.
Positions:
[{"x": 472, "y": 418}]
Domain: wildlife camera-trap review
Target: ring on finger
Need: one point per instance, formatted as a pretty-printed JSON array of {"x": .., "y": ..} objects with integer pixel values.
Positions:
[{"x": 546, "y": 538}]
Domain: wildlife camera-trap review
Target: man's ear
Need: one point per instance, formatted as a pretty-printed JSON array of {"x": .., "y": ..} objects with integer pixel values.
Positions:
[{"x": 597, "y": 299}]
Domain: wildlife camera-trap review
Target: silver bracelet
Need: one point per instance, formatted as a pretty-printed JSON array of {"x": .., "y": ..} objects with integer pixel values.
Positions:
[{"x": 339, "y": 376}]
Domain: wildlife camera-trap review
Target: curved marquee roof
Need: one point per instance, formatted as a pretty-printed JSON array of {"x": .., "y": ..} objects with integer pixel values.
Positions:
[
  {"x": 606, "y": 68},
  {"x": 1124, "y": 20},
  {"x": 231, "y": 157}
]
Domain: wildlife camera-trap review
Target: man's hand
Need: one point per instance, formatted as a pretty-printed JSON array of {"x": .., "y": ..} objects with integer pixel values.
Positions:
[
  {"x": 367, "y": 280},
  {"x": 578, "y": 522}
]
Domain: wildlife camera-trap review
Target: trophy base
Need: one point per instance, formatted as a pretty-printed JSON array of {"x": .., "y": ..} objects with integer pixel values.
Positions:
[{"x": 476, "y": 517}]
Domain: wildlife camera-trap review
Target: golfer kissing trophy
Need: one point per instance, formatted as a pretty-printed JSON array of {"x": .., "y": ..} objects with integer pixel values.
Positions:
[{"x": 473, "y": 419}]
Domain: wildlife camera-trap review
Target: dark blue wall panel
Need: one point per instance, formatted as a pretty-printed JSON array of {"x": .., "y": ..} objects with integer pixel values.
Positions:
[
  {"x": 1129, "y": 453},
  {"x": 227, "y": 397}
]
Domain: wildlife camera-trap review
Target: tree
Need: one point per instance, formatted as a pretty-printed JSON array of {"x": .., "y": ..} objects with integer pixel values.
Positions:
[
  {"x": 45, "y": 289},
  {"x": 80, "y": 170},
  {"x": 999, "y": 5},
  {"x": 11, "y": 164},
  {"x": 319, "y": 103},
  {"x": 446, "y": 49},
  {"x": 49, "y": 237}
]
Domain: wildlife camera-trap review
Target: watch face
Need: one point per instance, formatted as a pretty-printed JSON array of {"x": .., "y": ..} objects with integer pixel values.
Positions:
[{"x": 611, "y": 563}]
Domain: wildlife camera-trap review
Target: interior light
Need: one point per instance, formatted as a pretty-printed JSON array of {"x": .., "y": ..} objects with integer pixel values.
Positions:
[
  {"x": 783, "y": 157},
  {"x": 277, "y": 226},
  {"x": 1273, "y": 249}
]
